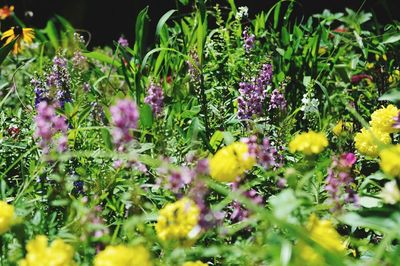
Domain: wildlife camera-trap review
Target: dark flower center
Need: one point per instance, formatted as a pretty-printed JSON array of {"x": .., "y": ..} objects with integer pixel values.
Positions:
[{"x": 17, "y": 30}]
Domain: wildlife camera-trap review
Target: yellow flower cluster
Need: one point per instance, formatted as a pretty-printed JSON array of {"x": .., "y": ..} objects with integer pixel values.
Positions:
[
  {"x": 231, "y": 162},
  {"x": 194, "y": 263},
  {"x": 322, "y": 232},
  {"x": 6, "y": 216},
  {"x": 40, "y": 254},
  {"x": 123, "y": 256},
  {"x": 178, "y": 221},
  {"x": 383, "y": 119},
  {"x": 367, "y": 141},
  {"x": 390, "y": 161},
  {"x": 309, "y": 143}
]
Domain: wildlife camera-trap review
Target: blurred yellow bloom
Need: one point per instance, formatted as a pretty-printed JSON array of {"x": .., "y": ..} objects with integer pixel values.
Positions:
[
  {"x": 178, "y": 221},
  {"x": 6, "y": 216},
  {"x": 390, "y": 161},
  {"x": 309, "y": 143},
  {"x": 40, "y": 254},
  {"x": 6, "y": 11},
  {"x": 22, "y": 34},
  {"x": 366, "y": 141},
  {"x": 194, "y": 263},
  {"x": 370, "y": 65},
  {"x": 123, "y": 256},
  {"x": 384, "y": 118},
  {"x": 322, "y": 232},
  {"x": 231, "y": 162}
]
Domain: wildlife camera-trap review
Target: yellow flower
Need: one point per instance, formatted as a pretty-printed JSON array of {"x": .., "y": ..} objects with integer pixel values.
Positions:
[
  {"x": 22, "y": 34},
  {"x": 337, "y": 130},
  {"x": 6, "y": 216},
  {"x": 123, "y": 256},
  {"x": 6, "y": 11},
  {"x": 322, "y": 232},
  {"x": 178, "y": 221},
  {"x": 231, "y": 162},
  {"x": 309, "y": 143},
  {"x": 390, "y": 161},
  {"x": 40, "y": 254},
  {"x": 194, "y": 263},
  {"x": 366, "y": 141},
  {"x": 383, "y": 119}
]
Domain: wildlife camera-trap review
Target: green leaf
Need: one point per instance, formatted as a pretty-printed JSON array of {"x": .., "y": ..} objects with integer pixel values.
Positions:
[
  {"x": 141, "y": 32},
  {"x": 5, "y": 50},
  {"x": 51, "y": 32},
  {"x": 391, "y": 96},
  {"x": 216, "y": 139},
  {"x": 105, "y": 134},
  {"x": 392, "y": 39},
  {"x": 146, "y": 116},
  {"x": 284, "y": 204},
  {"x": 163, "y": 20},
  {"x": 103, "y": 58}
]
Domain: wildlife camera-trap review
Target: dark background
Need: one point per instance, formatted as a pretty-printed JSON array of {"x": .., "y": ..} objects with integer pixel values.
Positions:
[{"x": 107, "y": 20}]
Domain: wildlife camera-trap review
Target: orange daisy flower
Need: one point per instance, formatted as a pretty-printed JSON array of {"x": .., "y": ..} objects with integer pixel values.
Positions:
[
  {"x": 22, "y": 34},
  {"x": 6, "y": 11}
]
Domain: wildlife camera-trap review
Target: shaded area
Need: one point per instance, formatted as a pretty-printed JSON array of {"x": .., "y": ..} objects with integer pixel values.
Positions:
[{"x": 107, "y": 20}]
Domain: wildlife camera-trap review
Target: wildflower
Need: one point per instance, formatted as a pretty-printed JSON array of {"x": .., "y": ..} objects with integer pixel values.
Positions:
[
  {"x": 155, "y": 98},
  {"x": 322, "y": 232},
  {"x": 6, "y": 216},
  {"x": 243, "y": 12},
  {"x": 253, "y": 94},
  {"x": 79, "y": 60},
  {"x": 231, "y": 162},
  {"x": 264, "y": 153},
  {"x": 277, "y": 101},
  {"x": 48, "y": 125},
  {"x": 124, "y": 116},
  {"x": 194, "y": 67},
  {"x": 194, "y": 263},
  {"x": 309, "y": 105},
  {"x": 340, "y": 181},
  {"x": 177, "y": 178},
  {"x": 21, "y": 34},
  {"x": 6, "y": 11},
  {"x": 178, "y": 221},
  {"x": 390, "y": 161},
  {"x": 390, "y": 193},
  {"x": 309, "y": 143},
  {"x": 59, "y": 79},
  {"x": 249, "y": 40},
  {"x": 40, "y": 254},
  {"x": 123, "y": 41},
  {"x": 366, "y": 141},
  {"x": 239, "y": 212},
  {"x": 384, "y": 119},
  {"x": 341, "y": 126},
  {"x": 123, "y": 256}
]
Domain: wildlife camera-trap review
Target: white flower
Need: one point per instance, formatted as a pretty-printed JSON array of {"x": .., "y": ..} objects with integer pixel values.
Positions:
[
  {"x": 243, "y": 12},
  {"x": 390, "y": 193}
]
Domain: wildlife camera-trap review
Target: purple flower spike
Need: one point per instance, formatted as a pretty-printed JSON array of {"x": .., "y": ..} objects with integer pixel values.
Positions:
[
  {"x": 124, "y": 116},
  {"x": 155, "y": 98}
]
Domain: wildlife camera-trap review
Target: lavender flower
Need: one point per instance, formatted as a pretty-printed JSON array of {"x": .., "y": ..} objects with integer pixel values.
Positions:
[
  {"x": 340, "y": 181},
  {"x": 41, "y": 92},
  {"x": 59, "y": 78},
  {"x": 123, "y": 41},
  {"x": 239, "y": 212},
  {"x": 125, "y": 116},
  {"x": 277, "y": 101},
  {"x": 396, "y": 123},
  {"x": 249, "y": 40},
  {"x": 265, "y": 153},
  {"x": 253, "y": 94},
  {"x": 48, "y": 124},
  {"x": 155, "y": 98},
  {"x": 79, "y": 60}
]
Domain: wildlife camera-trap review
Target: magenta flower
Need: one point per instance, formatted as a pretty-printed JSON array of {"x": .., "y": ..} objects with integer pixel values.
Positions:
[{"x": 155, "y": 98}]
